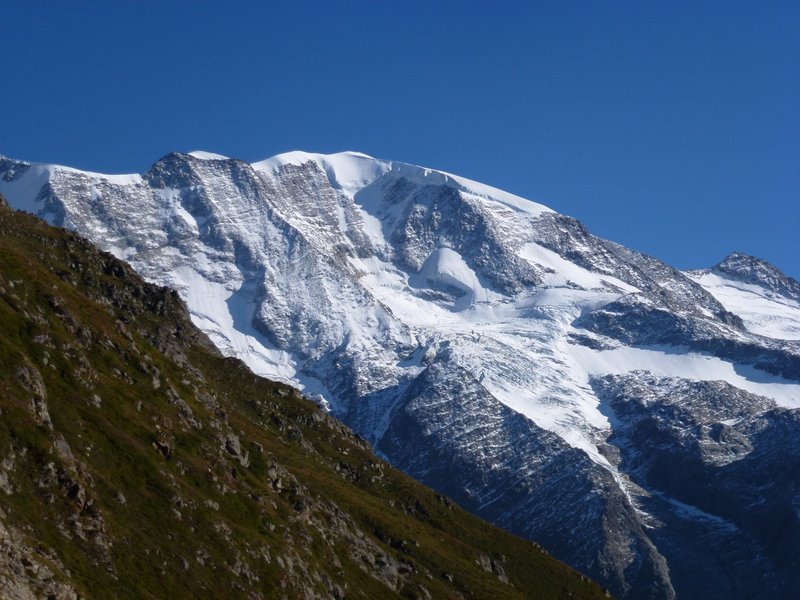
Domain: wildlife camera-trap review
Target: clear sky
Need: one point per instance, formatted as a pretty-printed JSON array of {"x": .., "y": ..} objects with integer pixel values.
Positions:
[{"x": 671, "y": 127}]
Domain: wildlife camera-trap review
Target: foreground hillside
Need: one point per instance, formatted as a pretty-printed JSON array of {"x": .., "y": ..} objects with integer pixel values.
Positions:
[{"x": 135, "y": 461}]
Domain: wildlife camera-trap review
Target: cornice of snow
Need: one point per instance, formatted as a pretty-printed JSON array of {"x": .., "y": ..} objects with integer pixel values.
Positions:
[{"x": 203, "y": 155}]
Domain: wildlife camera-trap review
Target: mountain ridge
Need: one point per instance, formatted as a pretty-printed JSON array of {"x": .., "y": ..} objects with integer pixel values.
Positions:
[{"x": 397, "y": 295}]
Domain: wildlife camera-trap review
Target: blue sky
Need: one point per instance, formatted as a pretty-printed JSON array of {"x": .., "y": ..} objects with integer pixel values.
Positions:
[{"x": 670, "y": 127}]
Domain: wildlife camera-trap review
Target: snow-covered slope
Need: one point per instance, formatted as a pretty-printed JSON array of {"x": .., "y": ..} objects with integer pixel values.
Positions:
[
  {"x": 767, "y": 301},
  {"x": 465, "y": 332}
]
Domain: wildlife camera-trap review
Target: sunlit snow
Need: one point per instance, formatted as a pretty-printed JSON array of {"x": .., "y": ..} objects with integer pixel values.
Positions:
[{"x": 763, "y": 312}]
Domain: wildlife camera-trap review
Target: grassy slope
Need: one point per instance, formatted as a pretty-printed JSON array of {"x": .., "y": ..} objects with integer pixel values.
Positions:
[{"x": 139, "y": 488}]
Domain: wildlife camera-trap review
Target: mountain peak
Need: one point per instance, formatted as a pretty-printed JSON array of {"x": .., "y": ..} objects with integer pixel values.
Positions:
[
  {"x": 738, "y": 258},
  {"x": 757, "y": 271}
]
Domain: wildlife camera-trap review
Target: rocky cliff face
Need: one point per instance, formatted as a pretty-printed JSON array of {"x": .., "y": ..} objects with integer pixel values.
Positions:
[
  {"x": 750, "y": 270},
  {"x": 466, "y": 333},
  {"x": 727, "y": 458}
]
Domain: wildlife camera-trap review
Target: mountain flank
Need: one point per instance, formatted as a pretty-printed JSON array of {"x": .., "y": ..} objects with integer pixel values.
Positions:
[{"x": 137, "y": 462}]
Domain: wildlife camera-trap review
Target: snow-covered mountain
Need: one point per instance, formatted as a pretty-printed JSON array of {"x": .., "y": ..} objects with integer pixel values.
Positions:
[{"x": 640, "y": 422}]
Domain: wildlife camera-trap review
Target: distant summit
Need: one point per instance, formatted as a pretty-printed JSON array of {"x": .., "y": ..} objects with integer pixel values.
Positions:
[{"x": 749, "y": 269}]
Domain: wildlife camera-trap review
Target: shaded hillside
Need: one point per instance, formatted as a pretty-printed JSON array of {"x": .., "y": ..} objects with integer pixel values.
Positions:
[{"x": 137, "y": 462}]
